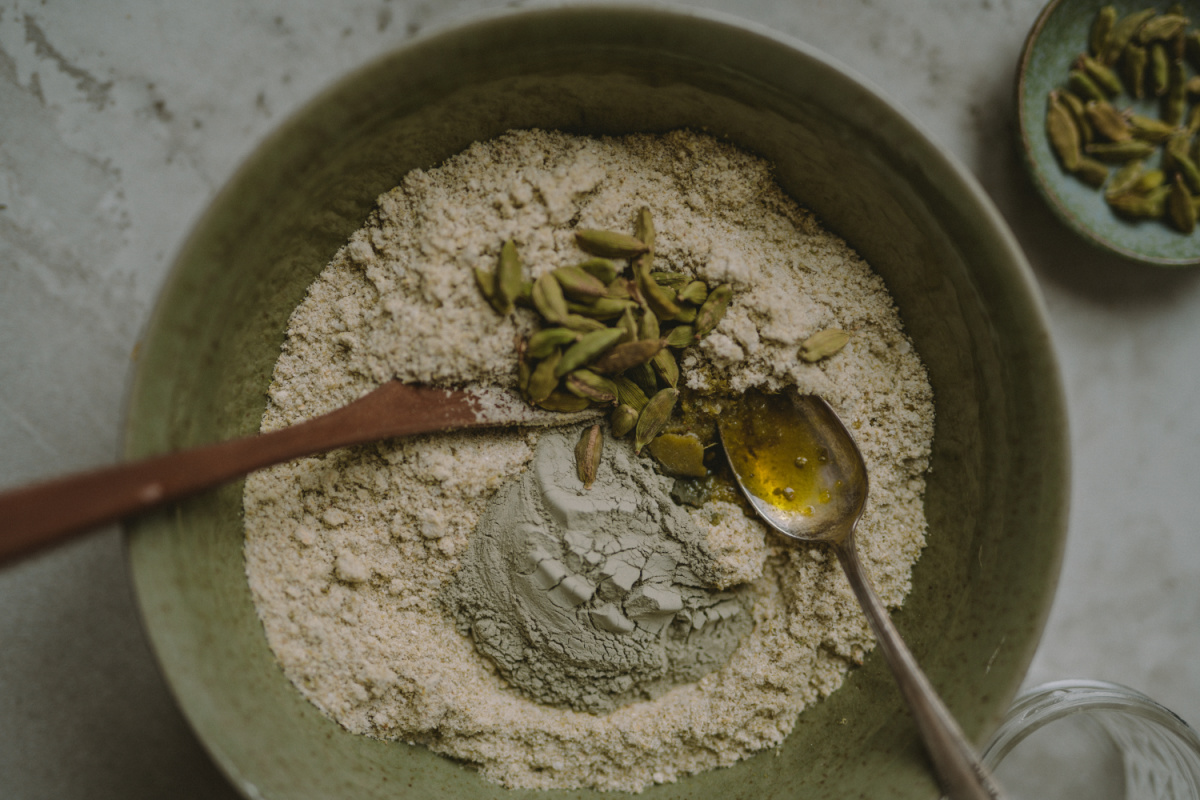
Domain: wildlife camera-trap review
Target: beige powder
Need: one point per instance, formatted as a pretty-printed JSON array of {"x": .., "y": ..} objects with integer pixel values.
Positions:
[{"x": 347, "y": 553}]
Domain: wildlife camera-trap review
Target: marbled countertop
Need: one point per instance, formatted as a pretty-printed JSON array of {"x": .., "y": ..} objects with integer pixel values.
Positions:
[{"x": 119, "y": 120}]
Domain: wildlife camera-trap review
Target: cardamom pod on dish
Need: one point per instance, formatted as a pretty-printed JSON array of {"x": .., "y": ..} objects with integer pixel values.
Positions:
[
  {"x": 1062, "y": 131},
  {"x": 1101, "y": 30},
  {"x": 1180, "y": 208},
  {"x": 1119, "y": 152}
]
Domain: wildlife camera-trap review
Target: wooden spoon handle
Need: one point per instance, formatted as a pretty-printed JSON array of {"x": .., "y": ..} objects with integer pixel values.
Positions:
[{"x": 35, "y": 516}]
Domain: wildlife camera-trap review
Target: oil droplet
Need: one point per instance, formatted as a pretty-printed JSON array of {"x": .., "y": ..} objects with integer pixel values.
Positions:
[
  {"x": 807, "y": 511},
  {"x": 822, "y": 455},
  {"x": 801, "y": 461},
  {"x": 824, "y": 496},
  {"x": 789, "y": 493}
]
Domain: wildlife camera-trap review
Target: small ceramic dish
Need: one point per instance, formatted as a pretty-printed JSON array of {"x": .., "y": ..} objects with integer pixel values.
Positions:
[{"x": 1055, "y": 41}]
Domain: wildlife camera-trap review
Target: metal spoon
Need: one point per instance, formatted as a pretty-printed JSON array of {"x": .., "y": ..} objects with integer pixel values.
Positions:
[{"x": 802, "y": 472}]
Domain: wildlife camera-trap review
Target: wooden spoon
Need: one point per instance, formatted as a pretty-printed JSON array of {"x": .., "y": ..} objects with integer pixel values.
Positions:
[{"x": 38, "y": 515}]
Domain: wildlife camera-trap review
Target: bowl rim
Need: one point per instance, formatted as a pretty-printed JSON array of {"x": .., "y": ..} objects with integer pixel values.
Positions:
[{"x": 1024, "y": 280}]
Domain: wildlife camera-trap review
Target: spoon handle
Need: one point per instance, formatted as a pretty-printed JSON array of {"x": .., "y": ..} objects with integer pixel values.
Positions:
[
  {"x": 961, "y": 774},
  {"x": 35, "y": 516}
]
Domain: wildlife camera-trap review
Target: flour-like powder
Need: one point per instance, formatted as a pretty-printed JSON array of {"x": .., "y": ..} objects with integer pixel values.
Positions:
[{"x": 349, "y": 555}]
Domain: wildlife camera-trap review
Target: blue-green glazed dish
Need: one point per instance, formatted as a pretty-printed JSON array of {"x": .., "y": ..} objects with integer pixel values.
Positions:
[{"x": 1056, "y": 39}]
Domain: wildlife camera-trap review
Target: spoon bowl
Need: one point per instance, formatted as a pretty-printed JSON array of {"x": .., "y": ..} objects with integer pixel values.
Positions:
[{"x": 803, "y": 473}]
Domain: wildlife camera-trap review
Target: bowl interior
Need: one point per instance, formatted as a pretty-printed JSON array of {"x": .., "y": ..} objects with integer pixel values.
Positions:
[
  {"x": 996, "y": 496},
  {"x": 1057, "y": 38}
]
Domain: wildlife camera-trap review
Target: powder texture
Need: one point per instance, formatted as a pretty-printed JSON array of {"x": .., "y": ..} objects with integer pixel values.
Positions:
[
  {"x": 347, "y": 554},
  {"x": 592, "y": 598}
]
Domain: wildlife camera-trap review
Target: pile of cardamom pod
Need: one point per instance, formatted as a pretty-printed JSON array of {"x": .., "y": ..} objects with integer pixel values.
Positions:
[
  {"x": 607, "y": 337},
  {"x": 1144, "y": 54}
]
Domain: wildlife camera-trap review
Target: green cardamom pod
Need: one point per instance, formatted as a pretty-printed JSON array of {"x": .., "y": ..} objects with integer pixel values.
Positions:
[
  {"x": 1186, "y": 168},
  {"x": 1078, "y": 114},
  {"x": 589, "y": 348},
  {"x": 1149, "y": 129},
  {"x": 657, "y": 298},
  {"x": 823, "y": 344},
  {"x": 628, "y": 324},
  {"x": 623, "y": 420},
  {"x": 713, "y": 310},
  {"x": 486, "y": 281},
  {"x": 597, "y": 388},
  {"x": 1133, "y": 68},
  {"x": 1150, "y": 179},
  {"x": 681, "y": 336},
  {"x": 1109, "y": 122},
  {"x": 558, "y": 400},
  {"x": 694, "y": 293},
  {"x": 582, "y": 324},
  {"x": 686, "y": 315},
  {"x": 1062, "y": 132},
  {"x": 602, "y": 269},
  {"x": 1180, "y": 208},
  {"x": 600, "y": 307},
  {"x": 543, "y": 379},
  {"x": 1123, "y": 33},
  {"x": 626, "y": 356},
  {"x": 1159, "y": 69},
  {"x": 666, "y": 367},
  {"x": 1100, "y": 74},
  {"x": 1168, "y": 26},
  {"x": 1119, "y": 152},
  {"x": 548, "y": 299},
  {"x": 1101, "y": 30},
  {"x": 508, "y": 275},
  {"x": 609, "y": 244},
  {"x": 1175, "y": 101},
  {"x": 587, "y": 455},
  {"x": 579, "y": 284},
  {"x": 544, "y": 342},
  {"x": 629, "y": 393},
  {"x": 618, "y": 289},
  {"x": 1125, "y": 178},
  {"x": 648, "y": 327},
  {"x": 673, "y": 280},
  {"x": 643, "y": 227},
  {"x": 1175, "y": 148},
  {"x": 653, "y": 417},
  {"x": 1091, "y": 172},
  {"x": 1138, "y": 206},
  {"x": 1082, "y": 85}
]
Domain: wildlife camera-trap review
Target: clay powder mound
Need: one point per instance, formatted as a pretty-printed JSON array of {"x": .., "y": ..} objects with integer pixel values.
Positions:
[{"x": 347, "y": 553}]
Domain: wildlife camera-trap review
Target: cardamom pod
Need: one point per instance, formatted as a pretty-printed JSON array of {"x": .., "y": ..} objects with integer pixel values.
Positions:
[
  {"x": 626, "y": 356},
  {"x": 1125, "y": 178},
  {"x": 1091, "y": 172},
  {"x": 629, "y": 326},
  {"x": 1119, "y": 152},
  {"x": 618, "y": 289},
  {"x": 694, "y": 293},
  {"x": 609, "y": 244},
  {"x": 623, "y": 419},
  {"x": 713, "y": 310},
  {"x": 629, "y": 393},
  {"x": 673, "y": 280},
  {"x": 1149, "y": 129},
  {"x": 1168, "y": 26},
  {"x": 597, "y": 388},
  {"x": 1133, "y": 69},
  {"x": 1079, "y": 115},
  {"x": 681, "y": 336},
  {"x": 508, "y": 275},
  {"x": 1175, "y": 148},
  {"x": 1150, "y": 179},
  {"x": 1180, "y": 208},
  {"x": 579, "y": 284},
  {"x": 1101, "y": 30},
  {"x": 823, "y": 344},
  {"x": 602, "y": 269},
  {"x": 1082, "y": 85},
  {"x": 666, "y": 367},
  {"x": 600, "y": 307},
  {"x": 542, "y": 343},
  {"x": 643, "y": 227},
  {"x": 1109, "y": 122},
  {"x": 680, "y": 454},
  {"x": 589, "y": 348},
  {"x": 1139, "y": 206},
  {"x": 656, "y": 297},
  {"x": 653, "y": 417},
  {"x": 1123, "y": 32},
  {"x": 648, "y": 328},
  {"x": 1186, "y": 168},
  {"x": 1100, "y": 74},
  {"x": 582, "y": 324},
  {"x": 1175, "y": 101},
  {"x": 486, "y": 281},
  {"x": 543, "y": 379},
  {"x": 1062, "y": 131},
  {"x": 558, "y": 400},
  {"x": 587, "y": 455},
  {"x": 1159, "y": 69},
  {"x": 686, "y": 315},
  {"x": 548, "y": 299}
]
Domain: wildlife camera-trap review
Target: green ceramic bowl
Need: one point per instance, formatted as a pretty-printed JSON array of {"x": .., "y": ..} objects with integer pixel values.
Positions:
[
  {"x": 1056, "y": 39},
  {"x": 997, "y": 495}
]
